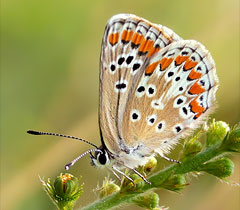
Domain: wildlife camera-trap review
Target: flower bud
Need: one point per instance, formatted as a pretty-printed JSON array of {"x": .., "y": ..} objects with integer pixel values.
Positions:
[
  {"x": 216, "y": 132},
  {"x": 64, "y": 191},
  {"x": 128, "y": 186},
  {"x": 175, "y": 183},
  {"x": 149, "y": 200},
  {"x": 108, "y": 188},
  {"x": 66, "y": 185},
  {"x": 222, "y": 167},
  {"x": 150, "y": 165},
  {"x": 191, "y": 148},
  {"x": 231, "y": 142},
  {"x": 139, "y": 183}
]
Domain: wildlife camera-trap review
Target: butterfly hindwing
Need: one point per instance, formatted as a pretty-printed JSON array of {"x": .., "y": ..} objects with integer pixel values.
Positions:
[{"x": 173, "y": 99}]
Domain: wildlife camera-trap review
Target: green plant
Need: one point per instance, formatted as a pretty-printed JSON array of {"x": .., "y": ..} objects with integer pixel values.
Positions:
[
  {"x": 196, "y": 157},
  {"x": 64, "y": 191}
]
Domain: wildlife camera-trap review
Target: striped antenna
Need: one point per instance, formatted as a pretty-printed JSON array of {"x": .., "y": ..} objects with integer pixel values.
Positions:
[
  {"x": 80, "y": 156},
  {"x": 60, "y": 135}
]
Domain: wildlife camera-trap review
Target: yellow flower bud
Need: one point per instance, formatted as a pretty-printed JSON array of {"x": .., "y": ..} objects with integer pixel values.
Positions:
[
  {"x": 108, "y": 188},
  {"x": 216, "y": 132}
]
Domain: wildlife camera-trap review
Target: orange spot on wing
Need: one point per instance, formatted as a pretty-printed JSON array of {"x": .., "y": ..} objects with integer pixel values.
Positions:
[
  {"x": 137, "y": 38},
  {"x": 194, "y": 75},
  {"x": 180, "y": 59},
  {"x": 126, "y": 35},
  {"x": 129, "y": 35},
  {"x": 196, "y": 88},
  {"x": 190, "y": 64},
  {"x": 150, "y": 69},
  {"x": 165, "y": 62},
  {"x": 113, "y": 38},
  {"x": 198, "y": 115},
  {"x": 153, "y": 51},
  {"x": 196, "y": 108},
  {"x": 146, "y": 45}
]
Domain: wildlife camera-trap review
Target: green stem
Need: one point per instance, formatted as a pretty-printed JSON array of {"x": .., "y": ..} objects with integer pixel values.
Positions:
[{"x": 157, "y": 179}]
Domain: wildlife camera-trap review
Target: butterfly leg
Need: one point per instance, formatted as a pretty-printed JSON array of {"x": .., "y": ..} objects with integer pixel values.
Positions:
[
  {"x": 140, "y": 175},
  {"x": 126, "y": 176},
  {"x": 169, "y": 159},
  {"x": 115, "y": 174}
]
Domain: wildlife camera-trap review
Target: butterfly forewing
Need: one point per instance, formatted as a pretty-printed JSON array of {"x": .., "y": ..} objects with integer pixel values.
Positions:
[{"x": 153, "y": 85}]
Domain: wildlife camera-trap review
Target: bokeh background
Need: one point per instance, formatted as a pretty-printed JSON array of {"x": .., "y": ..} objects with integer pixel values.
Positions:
[{"x": 49, "y": 81}]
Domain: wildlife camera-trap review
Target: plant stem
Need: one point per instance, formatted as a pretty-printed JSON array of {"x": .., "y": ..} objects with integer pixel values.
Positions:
[{"x": 157, "y": 179}]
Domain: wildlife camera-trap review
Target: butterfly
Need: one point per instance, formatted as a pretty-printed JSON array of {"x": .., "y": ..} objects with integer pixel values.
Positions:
[{"x": 155, "y": 88}]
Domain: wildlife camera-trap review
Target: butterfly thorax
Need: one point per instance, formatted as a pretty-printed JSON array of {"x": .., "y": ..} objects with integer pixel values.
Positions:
[
  {"x": 134, "y": 158},
  {"x": 127, "y": 156}
]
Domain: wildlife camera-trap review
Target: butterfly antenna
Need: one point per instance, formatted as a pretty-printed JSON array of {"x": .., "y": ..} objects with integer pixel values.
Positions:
[
  {"x": 60, "y": 135},
  {"x": 67, "y": 166}
]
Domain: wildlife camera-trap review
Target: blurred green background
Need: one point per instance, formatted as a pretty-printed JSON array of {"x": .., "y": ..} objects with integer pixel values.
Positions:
[{"x": 49, "y": 81}]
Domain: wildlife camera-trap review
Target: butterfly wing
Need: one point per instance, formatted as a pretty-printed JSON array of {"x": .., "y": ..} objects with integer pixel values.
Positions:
[
  {"x": 175, "y": 97},
  {"x": 128, "y": 44}
]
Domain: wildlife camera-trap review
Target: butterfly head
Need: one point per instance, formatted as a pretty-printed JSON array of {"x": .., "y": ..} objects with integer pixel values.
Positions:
[{"x": 100, "y": 156}]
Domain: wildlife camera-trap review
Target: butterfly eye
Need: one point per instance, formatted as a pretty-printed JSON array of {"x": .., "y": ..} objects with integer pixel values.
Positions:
[{"x": 102, "y": 157}]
